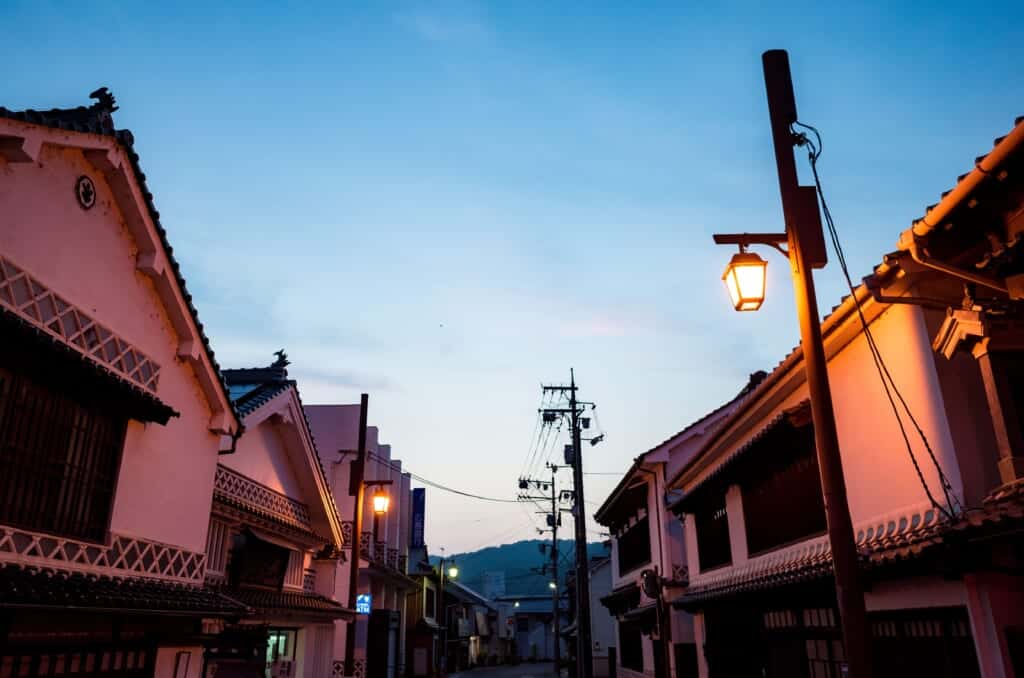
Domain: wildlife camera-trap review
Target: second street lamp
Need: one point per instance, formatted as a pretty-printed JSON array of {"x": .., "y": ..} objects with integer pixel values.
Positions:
[{"x": 381, "y": 502}]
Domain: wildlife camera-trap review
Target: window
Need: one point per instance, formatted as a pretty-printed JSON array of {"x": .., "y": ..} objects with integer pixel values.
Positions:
[
  {"x": 712, "y": 522},
  {"x": 293, "y": 575},
  {"x": 280, "y": 652},
  {"x": 256, "y": 562},
  {"x": 782, "y": 502},
  {"x": 216, "y": 547},
  {"x": 59, "y": 460},
  {"x": 631, "y": 646},
  {"x": 430, "y": 603},
  {"x": 523, "y": 624},
  {"x": 634, "y": 546}
]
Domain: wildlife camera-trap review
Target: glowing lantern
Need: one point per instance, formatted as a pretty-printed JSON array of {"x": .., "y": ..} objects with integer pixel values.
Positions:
[{"x": 745, "y": 279}]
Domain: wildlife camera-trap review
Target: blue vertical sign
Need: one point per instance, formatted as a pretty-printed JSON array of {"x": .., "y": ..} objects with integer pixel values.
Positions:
[
  {"x": 363, "y": 603},
  {"x": 419, "y": 505}
]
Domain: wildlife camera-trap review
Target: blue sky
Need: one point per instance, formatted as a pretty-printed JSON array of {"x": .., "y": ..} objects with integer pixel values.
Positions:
[{"x": 446, "y": 203}]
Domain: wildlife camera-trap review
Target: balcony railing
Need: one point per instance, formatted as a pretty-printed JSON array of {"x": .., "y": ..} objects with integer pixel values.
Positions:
[{"x": 233, "y": 487}]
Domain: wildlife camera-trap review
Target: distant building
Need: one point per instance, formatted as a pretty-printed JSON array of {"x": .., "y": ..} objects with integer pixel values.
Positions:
[
  {"x": 533, "y": 620},
  {"x": 380, "y": 636}
]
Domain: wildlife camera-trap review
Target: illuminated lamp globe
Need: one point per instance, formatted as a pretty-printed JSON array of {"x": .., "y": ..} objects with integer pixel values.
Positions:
[
  {"x": 552, "y": 585},
  {"x": 453, "y": 571},
  {"x": 381, "y": 502},
  {"x": 745, "y": 279}
]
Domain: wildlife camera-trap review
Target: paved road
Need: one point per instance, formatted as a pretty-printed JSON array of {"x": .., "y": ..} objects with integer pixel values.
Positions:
[{"x": 524, "y": 670}]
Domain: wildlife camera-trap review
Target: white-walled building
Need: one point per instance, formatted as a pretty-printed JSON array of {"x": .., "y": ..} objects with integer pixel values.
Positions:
[
  {"x": 646, "y": 537},
  {"x": 113, "y": 414}
]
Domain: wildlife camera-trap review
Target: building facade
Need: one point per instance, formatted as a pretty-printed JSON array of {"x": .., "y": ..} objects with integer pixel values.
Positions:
[
  {"x": 649, "y": 556},
  {"x": 379, "y": 636},
  {"x": 113, "y": 414},
  {"x": 936, "y": 500},
  {"x": 275, "y": 537}
]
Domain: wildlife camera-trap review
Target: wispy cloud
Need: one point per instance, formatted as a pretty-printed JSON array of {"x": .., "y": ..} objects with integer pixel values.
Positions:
[{"x": 444, "y": 28}]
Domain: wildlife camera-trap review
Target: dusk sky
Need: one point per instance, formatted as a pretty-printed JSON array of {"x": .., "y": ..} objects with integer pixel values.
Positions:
[{"x": 446, "y": 204}]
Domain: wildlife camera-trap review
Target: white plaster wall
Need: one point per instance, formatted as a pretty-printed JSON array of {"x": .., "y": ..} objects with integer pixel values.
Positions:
[
  {"x": 165, "y": 485},
  {"x": 261, "y": 455}
]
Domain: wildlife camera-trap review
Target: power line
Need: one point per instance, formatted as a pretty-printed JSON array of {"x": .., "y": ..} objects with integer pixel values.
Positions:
[
  {"x": 884, "y": 375},
  {"x": 439, "y": 486}
]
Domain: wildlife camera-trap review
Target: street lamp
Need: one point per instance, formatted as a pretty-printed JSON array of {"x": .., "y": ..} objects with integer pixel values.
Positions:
[
  {"x": 804, "y": 242},
  {"x": 552, "y": 585},
  {"x": 381, "y": 501},
  {"x": 745, "y": 279},
  {"x": 453, "y": 571}
]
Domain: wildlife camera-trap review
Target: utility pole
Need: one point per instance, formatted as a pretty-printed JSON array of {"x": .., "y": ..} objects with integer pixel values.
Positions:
[
  {"x": 584, "y": 658},
  {"x": 807, "y": 251},
  {"x": 356, "y": 489},
  {"x": 556, "y": 518},
  {"x": 553, "y": 520}
]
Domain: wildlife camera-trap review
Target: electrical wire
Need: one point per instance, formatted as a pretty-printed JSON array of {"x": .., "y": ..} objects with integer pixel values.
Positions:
[
  {"x": 814, "y": 153},
  {"x": 439, "y": 486}
]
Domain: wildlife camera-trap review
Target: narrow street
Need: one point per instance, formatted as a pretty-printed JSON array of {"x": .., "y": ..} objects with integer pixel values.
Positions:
[{"x": 524, "y": 670}]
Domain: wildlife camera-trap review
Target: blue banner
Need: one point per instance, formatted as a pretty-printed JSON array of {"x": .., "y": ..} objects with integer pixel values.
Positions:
[{"x": 419, "y": 505}]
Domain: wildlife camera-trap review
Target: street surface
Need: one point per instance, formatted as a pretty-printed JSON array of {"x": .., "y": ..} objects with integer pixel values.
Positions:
[{"x": 524, "y": 670}]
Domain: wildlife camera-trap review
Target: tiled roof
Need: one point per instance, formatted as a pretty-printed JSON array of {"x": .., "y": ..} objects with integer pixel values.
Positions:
[
  {"x": 923, "y": 220},
  {"x": 268, "y": 603},
  {"x": 801, "y": 410},
  {"x": 24, "y": 587},
  {"x": 252, "y": 387},
  {"x": 622, "y": 599},
  {"x": 599, "y": 515},
  {"x": 142, "y": 404},
  {"x": 254, "y": 396},
  {"x": 98, "y": 119},
  {"x": 888, "y": 542}
]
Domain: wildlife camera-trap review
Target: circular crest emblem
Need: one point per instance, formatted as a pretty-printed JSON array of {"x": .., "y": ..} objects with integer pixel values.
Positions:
[{"x": 85, "y": 191}]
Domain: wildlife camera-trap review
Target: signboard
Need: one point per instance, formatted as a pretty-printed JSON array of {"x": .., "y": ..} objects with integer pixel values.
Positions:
[
  {"x": 364, "y": 601},
  {"x": 419, "y": 504}
]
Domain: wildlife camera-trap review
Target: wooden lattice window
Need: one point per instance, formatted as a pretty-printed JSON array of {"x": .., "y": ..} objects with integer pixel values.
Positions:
[
  {"x": 293, "y": 575},
  {"x": 712, "y": 522},
  {"x": 59, "y": 460},
  {"x": 217, "y": 547},
  {"x": 634, "y": 546}
]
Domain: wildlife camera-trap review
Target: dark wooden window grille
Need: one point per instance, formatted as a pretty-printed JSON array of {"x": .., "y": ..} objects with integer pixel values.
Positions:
[
  {"x": 430, "y": 603},
  {"x": 631, "y": 647},
  {"x": 782, "y": 503},
  {"x": 634, "y": 546},
  {"x": 712, "y": 522},
  {"x": 59, "y": 460}
]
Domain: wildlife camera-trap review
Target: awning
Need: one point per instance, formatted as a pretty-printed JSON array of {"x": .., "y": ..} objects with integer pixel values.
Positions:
[
  {"x": 22, "y": 588},
  {"x": 645, "y": 617},
  {"x": 794, "y": 417},
  {"x": 42, "y": 357},
  {"x": 292, "y": 604},
  {"x": 622, "y": 599}
]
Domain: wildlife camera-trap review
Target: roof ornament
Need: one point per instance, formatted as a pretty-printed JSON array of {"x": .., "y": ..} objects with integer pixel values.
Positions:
[
  {"x": 104, "y": 107},
  {"x": 282, "y": 359}
]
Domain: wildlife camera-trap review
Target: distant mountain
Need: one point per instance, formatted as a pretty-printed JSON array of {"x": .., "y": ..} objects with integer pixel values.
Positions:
[{"x": 518, "y": 561}]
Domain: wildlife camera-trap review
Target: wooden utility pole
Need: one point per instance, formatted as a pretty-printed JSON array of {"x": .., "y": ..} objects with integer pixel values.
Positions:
[
  {"x": 807, "y": 251},
  {"x": 584, "y": 657},
  {"x": 356, "y": 489}
]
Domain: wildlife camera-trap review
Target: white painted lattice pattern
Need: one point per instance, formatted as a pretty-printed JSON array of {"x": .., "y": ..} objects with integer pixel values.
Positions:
[
  {"x": 123, "y": 556},
  {"x": 42, "y": 307},
  {"x": 260, "y": 498}
]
